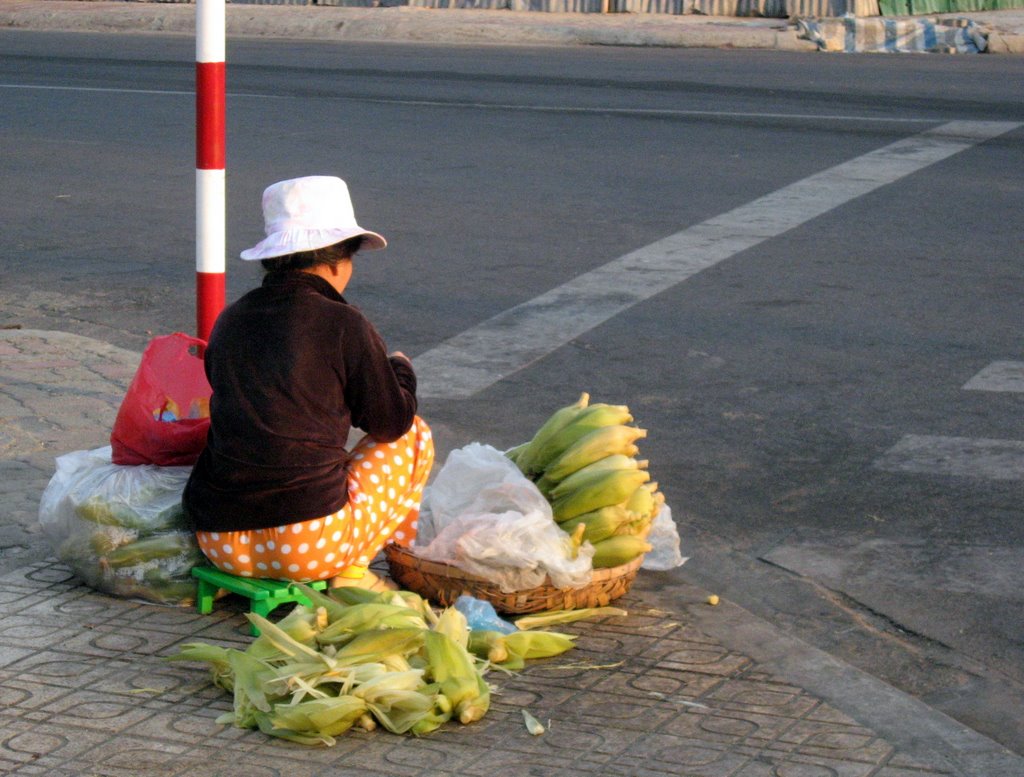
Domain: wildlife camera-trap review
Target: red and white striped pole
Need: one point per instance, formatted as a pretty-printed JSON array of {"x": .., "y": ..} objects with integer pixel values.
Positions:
[{"x": 210, "y": 143}]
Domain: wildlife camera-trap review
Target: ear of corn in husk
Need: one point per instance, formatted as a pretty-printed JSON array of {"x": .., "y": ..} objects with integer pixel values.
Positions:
[
  {"x": 538, "y": 644},
  {"x": 369, "y": 645},
  {"x": 250, "y": 696},
  {"x": 367, "y": 722},
  {"x": 434, "y": 719},
  {"x": 595, "y": 444},
  {"x": 562, "y": 486},
  {"x": 516, "y": 451},
  {"x": 488, "y": 645},
  {"x": 525, "y": 645},
  {"x": 566, "y": 451},
  {"x": 400, "y": 715},
  {"x": 453, "y": 668},
  {"x": 329, "y": 717},
  {"x": 603, "y": 489},
  {"x": 526, "y": 454},
  {"x": 618, "y": 550},
  {"x": 601, "y": 523},
  {"x": 453, "y": 623},
  {"x": 369, "y": 615}
]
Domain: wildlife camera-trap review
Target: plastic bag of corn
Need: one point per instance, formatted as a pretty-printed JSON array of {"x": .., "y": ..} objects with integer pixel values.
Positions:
[{"x": 121, "y": 529}]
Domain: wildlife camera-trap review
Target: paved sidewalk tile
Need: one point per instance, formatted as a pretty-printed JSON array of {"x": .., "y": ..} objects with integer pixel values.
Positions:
[
  {"x": 60, "y": 393},
  {"x": 84, "y": 691}
]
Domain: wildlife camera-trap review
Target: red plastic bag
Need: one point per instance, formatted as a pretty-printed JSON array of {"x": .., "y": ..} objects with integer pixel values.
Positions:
[{"x": 165, "y": 414}]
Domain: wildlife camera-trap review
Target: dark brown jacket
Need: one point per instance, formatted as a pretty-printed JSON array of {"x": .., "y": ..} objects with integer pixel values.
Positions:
[{"x": 293, "y": 367}]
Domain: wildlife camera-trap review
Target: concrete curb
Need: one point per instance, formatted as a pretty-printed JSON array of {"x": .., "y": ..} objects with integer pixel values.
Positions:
[
  {"x": 921, "y": 730},
  {"x": 1005, "y": 43},
  {"x": 1004, "y": 29}
]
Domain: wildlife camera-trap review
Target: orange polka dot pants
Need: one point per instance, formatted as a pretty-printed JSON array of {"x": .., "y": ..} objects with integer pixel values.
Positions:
[{"x": 385, "y": 486}]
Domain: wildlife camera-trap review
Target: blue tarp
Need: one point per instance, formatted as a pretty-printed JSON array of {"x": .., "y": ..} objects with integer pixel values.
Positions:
[{"x": 852, "y": 34}]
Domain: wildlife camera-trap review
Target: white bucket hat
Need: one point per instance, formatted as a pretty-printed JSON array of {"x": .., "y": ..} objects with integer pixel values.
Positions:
[{"x": 303, "y": 214}]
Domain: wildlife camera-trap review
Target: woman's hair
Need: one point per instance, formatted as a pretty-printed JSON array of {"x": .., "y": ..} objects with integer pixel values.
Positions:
[{"x": 303, "y": 260}]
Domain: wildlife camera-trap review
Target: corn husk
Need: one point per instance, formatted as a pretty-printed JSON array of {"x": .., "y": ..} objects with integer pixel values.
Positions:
[
  {"x": 558, "y": 617},
  {"x": 356, "y": 658},
  {"x": 533, "y": 725}
]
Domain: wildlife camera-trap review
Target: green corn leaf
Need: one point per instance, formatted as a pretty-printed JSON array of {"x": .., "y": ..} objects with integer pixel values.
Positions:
[
  {"x": 218, "y": 658},
  {"x": 364, "y": 617},
  {"x": 267, "y": 727},
  {"x": 321, "y": 717},
  {"x": 379, "y": 687},
  {"x": 430, "y": 722},
  {"x": 372, "y": 646},
  {"x": 250, "y": 676},
  {"x": 299, "y": 624},
  {"x": 335, "y": 609},
  {"x": 283, "y": 641},
  {"x": 554, "y": 617},
  {"x": 400, "y": 716},
  {"x": 353, "y": 594},
  {"x": 200, "y": 651}
]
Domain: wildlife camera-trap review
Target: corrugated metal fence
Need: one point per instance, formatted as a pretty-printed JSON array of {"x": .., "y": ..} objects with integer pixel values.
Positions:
[
  {"x": 767, "y": 8},
  {"x": 783, "y": 9}
]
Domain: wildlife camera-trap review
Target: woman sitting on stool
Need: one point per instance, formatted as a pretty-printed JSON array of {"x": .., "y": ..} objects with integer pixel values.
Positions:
[{"x": 294, "y": 367}]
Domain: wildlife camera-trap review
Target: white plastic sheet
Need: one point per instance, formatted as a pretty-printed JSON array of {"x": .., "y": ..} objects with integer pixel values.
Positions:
[
  {"x": 664, "y": 540},
  {"x": 484, "y": 516}
]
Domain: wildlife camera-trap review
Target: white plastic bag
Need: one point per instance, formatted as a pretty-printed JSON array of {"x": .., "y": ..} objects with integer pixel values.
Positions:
[
  {"x": 664, "y": 539},
  {"x": 466, "y": 473},
  {"x": 121, "y": 528},
  {"x": 487, "y": 518}
]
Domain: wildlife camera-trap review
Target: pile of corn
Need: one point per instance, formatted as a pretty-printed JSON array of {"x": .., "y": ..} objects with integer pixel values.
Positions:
[
  {"x": 140, "y": 551},
  {"x": 368, "y": 659},
  {"x": 583, "y": 459}
]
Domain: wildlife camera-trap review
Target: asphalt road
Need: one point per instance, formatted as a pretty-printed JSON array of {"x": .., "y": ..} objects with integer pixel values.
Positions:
[{"x": 785, "y": 383}]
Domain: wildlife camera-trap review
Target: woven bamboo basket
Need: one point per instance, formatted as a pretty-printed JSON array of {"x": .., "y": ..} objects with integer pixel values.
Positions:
[{"x": 443, "y": 584}]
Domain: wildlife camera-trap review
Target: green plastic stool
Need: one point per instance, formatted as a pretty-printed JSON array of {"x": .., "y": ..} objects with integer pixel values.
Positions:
[{"x": 264, "y": 595}]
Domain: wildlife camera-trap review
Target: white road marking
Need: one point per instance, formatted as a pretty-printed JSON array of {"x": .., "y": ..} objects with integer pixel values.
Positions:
[
  {"x": 479, "y": 357},
  {"x": 998, "y": 376},
  {"x": 962, "y": 456}
]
